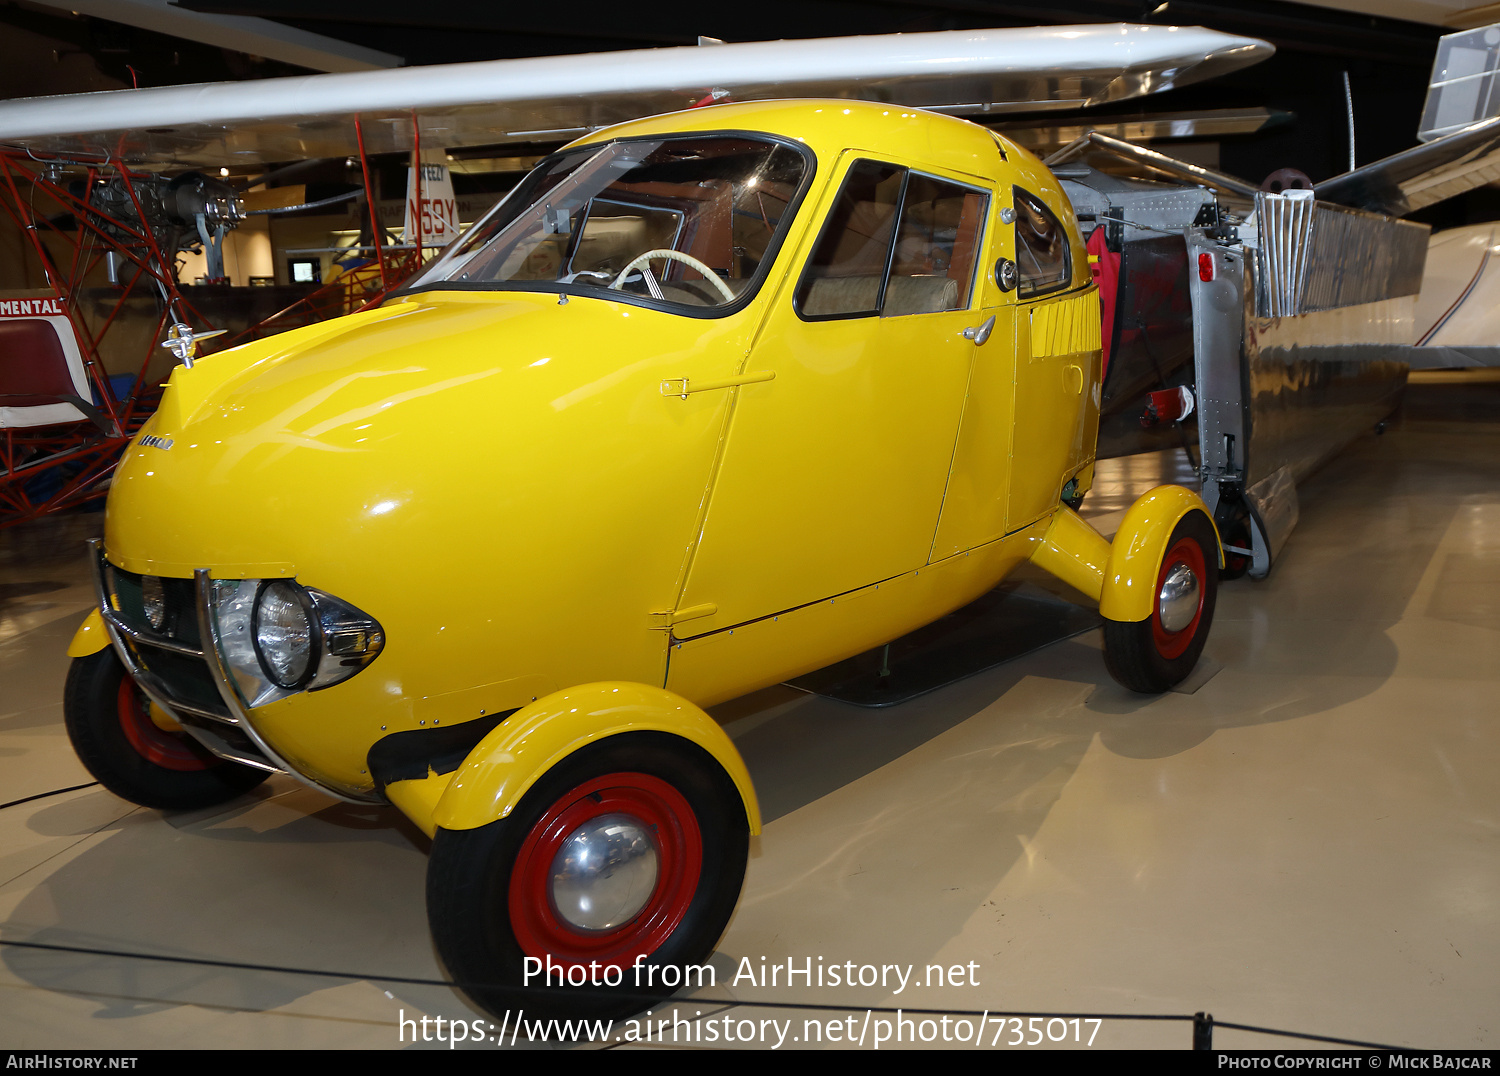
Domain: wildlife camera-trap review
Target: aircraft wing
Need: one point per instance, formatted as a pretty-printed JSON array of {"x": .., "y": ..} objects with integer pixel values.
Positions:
[
  {"x": 1423, "y": 175},
  {"x": 559, "y": 98}
]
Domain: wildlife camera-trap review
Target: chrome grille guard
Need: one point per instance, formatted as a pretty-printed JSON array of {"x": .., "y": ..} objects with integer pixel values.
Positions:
[{"x": 228, "y": 733}]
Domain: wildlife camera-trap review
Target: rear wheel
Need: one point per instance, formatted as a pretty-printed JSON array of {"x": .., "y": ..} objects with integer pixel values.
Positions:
[
  {"x": 140, "y": 757},
  {"x": 1156, "y": 654},
  {"x": 615, "y": 874}
]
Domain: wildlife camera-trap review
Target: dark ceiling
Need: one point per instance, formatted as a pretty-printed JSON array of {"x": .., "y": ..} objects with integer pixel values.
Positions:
[{"x": 447, "y": 30}]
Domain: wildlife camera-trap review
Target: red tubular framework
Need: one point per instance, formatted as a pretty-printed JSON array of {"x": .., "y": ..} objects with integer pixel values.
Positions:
[{"x": 51, "y": 468}]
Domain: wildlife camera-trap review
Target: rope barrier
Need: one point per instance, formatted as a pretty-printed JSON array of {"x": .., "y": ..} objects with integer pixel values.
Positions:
[{"x": 1203, "y": 1023}]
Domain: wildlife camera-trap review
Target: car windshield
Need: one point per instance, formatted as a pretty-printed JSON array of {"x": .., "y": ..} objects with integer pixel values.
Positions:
[{"x": 686, "y": 222}]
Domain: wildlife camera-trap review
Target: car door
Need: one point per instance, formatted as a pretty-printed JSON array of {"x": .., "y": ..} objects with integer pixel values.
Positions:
[
  {"x": 833, "y": 473},
  {"x": 1032, "y": 413}
]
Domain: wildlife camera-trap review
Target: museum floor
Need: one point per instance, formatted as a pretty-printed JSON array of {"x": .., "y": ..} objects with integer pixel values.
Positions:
[{"x": 1310, "y": 841}]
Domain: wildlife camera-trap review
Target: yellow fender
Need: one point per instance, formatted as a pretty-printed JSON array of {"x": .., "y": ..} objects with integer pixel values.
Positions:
[
  {"x": 1138, "y": 547},
  {"x": 508, "y": 761},
  {"x": 1119, "y": 575},
  {"x": 1073, "y": 551},
  {"x": 90, "y": 638}
]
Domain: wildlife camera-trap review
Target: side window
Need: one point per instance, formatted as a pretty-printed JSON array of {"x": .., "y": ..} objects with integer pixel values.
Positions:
[
  {"x": 1041, "y": 247},
  {"x": 935, "y": 248},
  {"x": 895, "y": 243},
  {"x": 844, "y": 275}
]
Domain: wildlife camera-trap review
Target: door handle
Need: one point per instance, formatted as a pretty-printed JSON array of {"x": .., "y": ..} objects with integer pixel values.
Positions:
[{"x": 980, "y": 333}]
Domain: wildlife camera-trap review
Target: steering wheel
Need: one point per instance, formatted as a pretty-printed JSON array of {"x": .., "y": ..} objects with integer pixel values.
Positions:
[{"x": 675, "y": 256}]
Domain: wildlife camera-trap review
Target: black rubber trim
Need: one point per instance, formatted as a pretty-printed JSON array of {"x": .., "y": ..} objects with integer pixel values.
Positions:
[{"x": 408, "y": 756}]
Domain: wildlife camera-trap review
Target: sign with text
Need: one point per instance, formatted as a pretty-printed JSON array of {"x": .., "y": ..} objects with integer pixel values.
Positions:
[{"x": 431, "y": 206}]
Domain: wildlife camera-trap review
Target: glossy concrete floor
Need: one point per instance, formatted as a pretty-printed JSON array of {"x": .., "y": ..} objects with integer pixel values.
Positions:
[{"x": 1310, "y": 841}]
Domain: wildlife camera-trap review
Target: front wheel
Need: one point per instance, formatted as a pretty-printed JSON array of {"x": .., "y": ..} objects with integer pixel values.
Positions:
[
  {"x": 607, "y": 887},
  {"x": 137, "y": 752},
  {"x": 1158, "y": 653}
]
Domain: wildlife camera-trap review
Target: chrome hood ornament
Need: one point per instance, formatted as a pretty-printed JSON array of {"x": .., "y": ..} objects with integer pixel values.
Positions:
[{"x": 182, "y": 341}]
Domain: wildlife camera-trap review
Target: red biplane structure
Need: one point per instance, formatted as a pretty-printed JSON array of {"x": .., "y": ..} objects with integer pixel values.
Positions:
[{"x": 74, "y": 386}]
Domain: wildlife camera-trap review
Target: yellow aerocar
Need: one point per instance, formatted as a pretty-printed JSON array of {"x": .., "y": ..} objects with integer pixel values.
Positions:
[{"x": 709, "y": 401}]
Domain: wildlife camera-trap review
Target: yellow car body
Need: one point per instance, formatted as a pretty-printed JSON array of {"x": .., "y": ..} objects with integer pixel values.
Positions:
[{"x": 599, "y": 517}]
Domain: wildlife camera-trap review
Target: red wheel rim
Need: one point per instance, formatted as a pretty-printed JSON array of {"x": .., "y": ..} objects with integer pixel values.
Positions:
[
  {"x": 153, "y": 743},
  {"x": 1171, "y": 644},
  {"x": 542, "y": 933}
]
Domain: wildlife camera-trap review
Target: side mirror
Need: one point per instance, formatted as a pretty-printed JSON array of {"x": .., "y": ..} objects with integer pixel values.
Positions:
[{"x": 1006, "y": 274}]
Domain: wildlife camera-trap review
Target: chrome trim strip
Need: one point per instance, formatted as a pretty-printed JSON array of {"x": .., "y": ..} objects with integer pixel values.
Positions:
[
  {"x": 208, "y": 632},
  {"x": 199, "y": 711},
  {"x": 145, "y": 638},
  {"x": 210, "y": 739}
]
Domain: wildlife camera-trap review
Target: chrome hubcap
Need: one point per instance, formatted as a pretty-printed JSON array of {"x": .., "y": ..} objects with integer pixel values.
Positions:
[
  {"x": 604, "y": 873},
  {"x": 1178, "y": 599}
]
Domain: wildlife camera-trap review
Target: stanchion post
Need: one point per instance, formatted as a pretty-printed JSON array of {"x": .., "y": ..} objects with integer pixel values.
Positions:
[{"x": 1203, "y": 1031}]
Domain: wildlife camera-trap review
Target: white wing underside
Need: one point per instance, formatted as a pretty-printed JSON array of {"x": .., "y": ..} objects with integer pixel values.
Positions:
[{"x": 558, "y": 98}]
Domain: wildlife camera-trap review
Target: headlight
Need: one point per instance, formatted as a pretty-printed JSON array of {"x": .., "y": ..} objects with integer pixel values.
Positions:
[
  {"x": 286, "y": 639},
  {"x": 278, "y": 637}
]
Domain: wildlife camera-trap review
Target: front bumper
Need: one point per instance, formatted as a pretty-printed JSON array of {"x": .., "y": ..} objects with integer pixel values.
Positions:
[{"x": 182, "y": 669}]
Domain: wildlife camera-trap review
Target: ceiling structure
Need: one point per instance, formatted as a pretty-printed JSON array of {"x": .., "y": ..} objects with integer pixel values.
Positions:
[
  {"x": 335, "y": 35},
  {"x": 242, "y": 33}
]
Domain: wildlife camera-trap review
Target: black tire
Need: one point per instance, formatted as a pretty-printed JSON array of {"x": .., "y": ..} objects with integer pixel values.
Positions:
[
  {"x": 109, "y": 724},
  {"x": 481, "y": 883},
  {"x": 1234, "y": 527},
  {"x": 1143, "y": 655}
]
